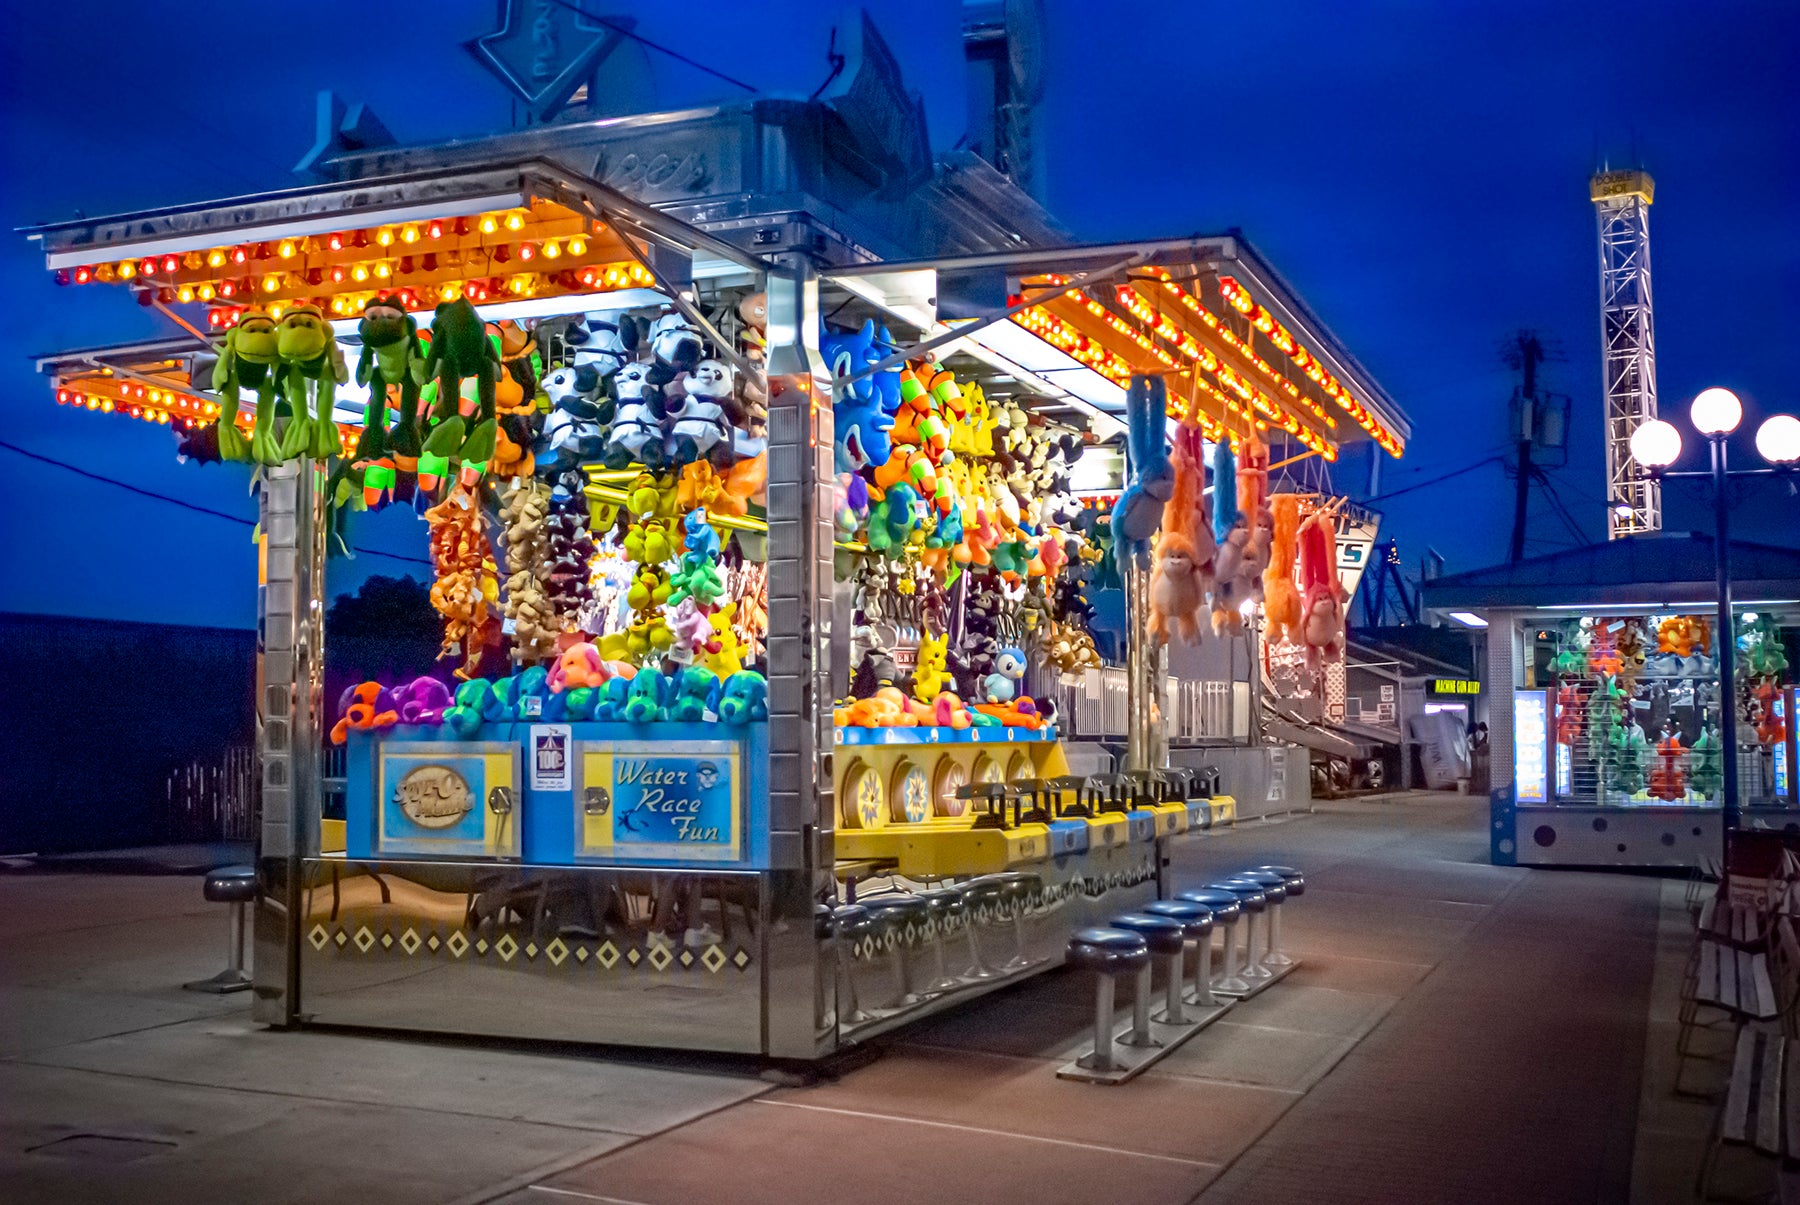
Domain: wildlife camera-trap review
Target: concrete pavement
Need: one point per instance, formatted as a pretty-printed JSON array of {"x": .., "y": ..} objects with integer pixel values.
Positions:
[{"x": 1458, "y": 1031}]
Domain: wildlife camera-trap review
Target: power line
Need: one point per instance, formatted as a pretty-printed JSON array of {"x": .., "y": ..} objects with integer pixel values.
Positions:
[
  {"x": 624, "y": 32},
  {"x": 172, "y": 501},
  {"x": 1434, "y": 481}
]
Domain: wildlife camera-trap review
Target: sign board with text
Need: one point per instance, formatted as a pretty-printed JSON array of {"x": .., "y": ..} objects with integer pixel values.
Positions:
[{"x": 676, "y": 800}]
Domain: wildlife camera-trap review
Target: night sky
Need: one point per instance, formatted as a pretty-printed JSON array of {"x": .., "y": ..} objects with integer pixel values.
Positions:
[{"x": 1417, "y": 170}]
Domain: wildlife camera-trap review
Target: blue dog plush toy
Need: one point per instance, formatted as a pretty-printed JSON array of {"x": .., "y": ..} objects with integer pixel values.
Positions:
[
  {"x": 696, "y": 692},
  {"x": 1139, "y": 511},
  {"x": 743, "y": 697}
]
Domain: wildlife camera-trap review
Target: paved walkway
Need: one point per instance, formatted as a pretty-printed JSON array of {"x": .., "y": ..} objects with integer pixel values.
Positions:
[{"x": 1457, "y": 1032}]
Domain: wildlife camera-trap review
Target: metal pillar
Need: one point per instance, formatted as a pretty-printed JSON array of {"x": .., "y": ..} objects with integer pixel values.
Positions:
[
  {"x": 802, "y": 815},
  {"x": 1141, "y": 660},
  {"x": 1725, "y": 640},
  {"x": 290, "y": 661},
  {"x": 1628, "y": 345}
]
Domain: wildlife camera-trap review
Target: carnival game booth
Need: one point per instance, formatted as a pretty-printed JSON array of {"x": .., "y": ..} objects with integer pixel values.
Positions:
[
  {"x": 1604, "y": 699},
  {"x": 758, "y": 586}
]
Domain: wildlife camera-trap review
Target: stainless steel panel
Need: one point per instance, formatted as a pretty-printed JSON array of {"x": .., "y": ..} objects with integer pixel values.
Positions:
[
  {"x": 560, "y": 953},
  {"x": 1014, "y": 941}
]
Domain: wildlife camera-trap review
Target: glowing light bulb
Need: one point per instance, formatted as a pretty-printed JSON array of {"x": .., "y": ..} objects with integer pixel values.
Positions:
[
  {"x": 384, "y": 237},
  {"x": 205, "y": 292},
  {"x": 170, "y": 263},
  {"x": 489, "y": 224},
  {"x": 239, "y": 255},
  {"x": 383, "y": 270},
  {"x": 335, "y": 242},
  {"x": 409, "y": 234},
  {"x": 526, "y": 251},
  {"x": 552, "y": 250},
  {"x": 359, "y": 273},
  {"x": 337, "y": 275},
  {"x": 215, "y": 258},
  {"x": 435, "y": 230},
  {"x": 227, "y": 288},
  {"x": 515, "y": 221},
  {"x": 577, "y": 246},
  {"x": 285, "y": 249},
  {"x": 271, "y": 282},
  {"x": 184, "y": 294},
  {"x": 127, "y": 269},
  {"x": 83, "y": 274},
  {"x": 450, "y": 292}
]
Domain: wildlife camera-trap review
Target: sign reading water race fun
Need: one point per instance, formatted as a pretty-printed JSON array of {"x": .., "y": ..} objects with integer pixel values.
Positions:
[{"x": 680, "y": 800}]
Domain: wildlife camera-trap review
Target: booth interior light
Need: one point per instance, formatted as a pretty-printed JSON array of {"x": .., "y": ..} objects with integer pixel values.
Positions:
[{"x": 1468, "y": 619}]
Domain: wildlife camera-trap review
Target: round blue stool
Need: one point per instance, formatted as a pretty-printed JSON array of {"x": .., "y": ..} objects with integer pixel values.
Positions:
[
  {"x": 1167, "y": 938},
  {"x": 1108, "y": 953},
  {"x": 1198, "y": 920},
  {"x": 1255, "y": 902},
  {"x": 1227, "y": 909}
]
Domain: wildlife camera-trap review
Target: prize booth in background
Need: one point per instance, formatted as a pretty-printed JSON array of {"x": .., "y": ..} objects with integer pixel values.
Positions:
[
  {"x": 815, "y": 565},
  {"x": 1604, "y": 698}
]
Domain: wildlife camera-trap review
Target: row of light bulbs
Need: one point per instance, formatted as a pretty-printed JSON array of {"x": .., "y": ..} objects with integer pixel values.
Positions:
[{"x": 1239, "y": 298}]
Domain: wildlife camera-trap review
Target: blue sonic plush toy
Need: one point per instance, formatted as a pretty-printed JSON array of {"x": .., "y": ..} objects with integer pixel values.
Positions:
[
  {"x": 858, "y": 415},
  {"x": 1139, "y": 511}
]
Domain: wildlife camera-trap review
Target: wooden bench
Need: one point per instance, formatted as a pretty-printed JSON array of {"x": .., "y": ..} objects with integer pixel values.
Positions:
[
  {"x": 1733, "y": 966},
  {"x": 1761, "y": 1110}
]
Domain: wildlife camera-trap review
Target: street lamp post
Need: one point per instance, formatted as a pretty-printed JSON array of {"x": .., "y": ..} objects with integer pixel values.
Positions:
[{"x": 1656, "y": 445}]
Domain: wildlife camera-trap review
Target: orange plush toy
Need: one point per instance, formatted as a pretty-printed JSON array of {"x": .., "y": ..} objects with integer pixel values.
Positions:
[
  {"x": 1281, "y": 597},
  {"x": 1668, "y": 781},
  {"x": 365, "y": 706}
]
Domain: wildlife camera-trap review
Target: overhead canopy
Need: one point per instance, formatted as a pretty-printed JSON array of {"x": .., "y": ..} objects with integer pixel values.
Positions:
[
  {"x": 1645, "y": 571},
  {"x": 521, "y": 239},
  {"x": 1230, "y": 337}
]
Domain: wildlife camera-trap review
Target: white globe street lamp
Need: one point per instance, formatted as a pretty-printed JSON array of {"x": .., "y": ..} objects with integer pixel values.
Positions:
[
  {"x": 1656, "y": 445},
  {"x": 1716, "y": 411},
  {"x": 1778, "y": 439}
]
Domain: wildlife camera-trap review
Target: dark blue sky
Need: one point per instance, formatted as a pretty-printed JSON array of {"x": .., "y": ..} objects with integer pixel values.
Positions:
[{"x": 1417, "y": 170}]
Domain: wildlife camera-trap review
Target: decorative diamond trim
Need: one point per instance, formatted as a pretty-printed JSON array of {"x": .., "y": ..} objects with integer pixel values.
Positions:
[
  {"x": 364, "y": 939},
  {"x": 556, "y": 951},
  {"x": 660, "y": 958},
  {"x": 318, "y": 937},
  {"x": 387, "y": 940},
  {"x": 409, "y": 941},
  {"x": 506, "y": 947},
  {"x": 713, "y": 959},
  {"x": 457, "y": 943},
  {"x": 607, "y": 955}
]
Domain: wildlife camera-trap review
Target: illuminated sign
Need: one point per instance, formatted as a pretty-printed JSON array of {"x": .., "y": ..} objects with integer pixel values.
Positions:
[
  {"x": 1454, "y": 686},
  {"x": 674, "y": 800},
  {"x": 1531, "y": 740}
]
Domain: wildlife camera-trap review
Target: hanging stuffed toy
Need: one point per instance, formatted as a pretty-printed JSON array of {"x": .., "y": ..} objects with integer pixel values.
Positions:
[
  {"x": 1708, "y": 763},
  {"x": 1151, "y": 479},
  {"x": 460, "y": 348},
  {"x": 700, "y": 416},
  {"x": 1322, "y": 597},
  {"x": 312, "y": 367},
  {"x": 392, "y": 358},
  {"x": 1281, "y": 597},
  {"x": 248, "y": 358},
  {"x": 1667, "y": 781},
  {"x": 636, "y": 434}
]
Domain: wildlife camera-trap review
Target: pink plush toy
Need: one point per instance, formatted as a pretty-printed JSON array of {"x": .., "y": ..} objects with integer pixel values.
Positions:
[
  {"x": 690, "y": 628},
  {"x": 1322, "y": 597},
  {"x": 581, "y": 665}
]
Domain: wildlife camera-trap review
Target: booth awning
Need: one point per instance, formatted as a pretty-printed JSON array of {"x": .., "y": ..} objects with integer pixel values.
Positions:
[
  {"x": 1207, "y": 313},
  {"x": 1661, "y": 569}
]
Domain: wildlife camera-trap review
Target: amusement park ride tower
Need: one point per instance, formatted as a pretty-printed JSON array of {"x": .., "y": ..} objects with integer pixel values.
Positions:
[{"x": 1628, "y": 345}]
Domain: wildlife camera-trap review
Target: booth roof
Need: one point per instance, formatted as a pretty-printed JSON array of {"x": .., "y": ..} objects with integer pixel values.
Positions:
[{"x": 1638, "y": 571}]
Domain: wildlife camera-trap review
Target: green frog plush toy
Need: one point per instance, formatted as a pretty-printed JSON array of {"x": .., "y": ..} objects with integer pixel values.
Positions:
[
  {"x": 459, "y": 348},
  {"x": 392, "y": 356},
  {"x": 312, "y": 367},
  {"x": 249, "y": 357}
]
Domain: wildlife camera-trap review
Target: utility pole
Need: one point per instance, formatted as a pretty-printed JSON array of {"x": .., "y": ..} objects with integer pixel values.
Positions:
[{"x": 1526, "y": 353}]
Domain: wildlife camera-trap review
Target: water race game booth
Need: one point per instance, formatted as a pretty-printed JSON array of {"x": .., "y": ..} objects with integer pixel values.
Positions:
[
  {"x": 768, "y": 487},
  {"x": 1605, "y": 700}
]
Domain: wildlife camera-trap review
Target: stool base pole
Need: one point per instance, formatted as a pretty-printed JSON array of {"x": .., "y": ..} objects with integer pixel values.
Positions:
[
  {"x": 1253, "y": 969},
  {"x": 1276, "y": 956},
  {"x": 1229, "y": 980},
  {"x": 1203, "y": 975},
  {"x": 1101, "y": 1059},
  {"x": 1173, "y": 1013},
  {"x": 1140, "y": 1010}
]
